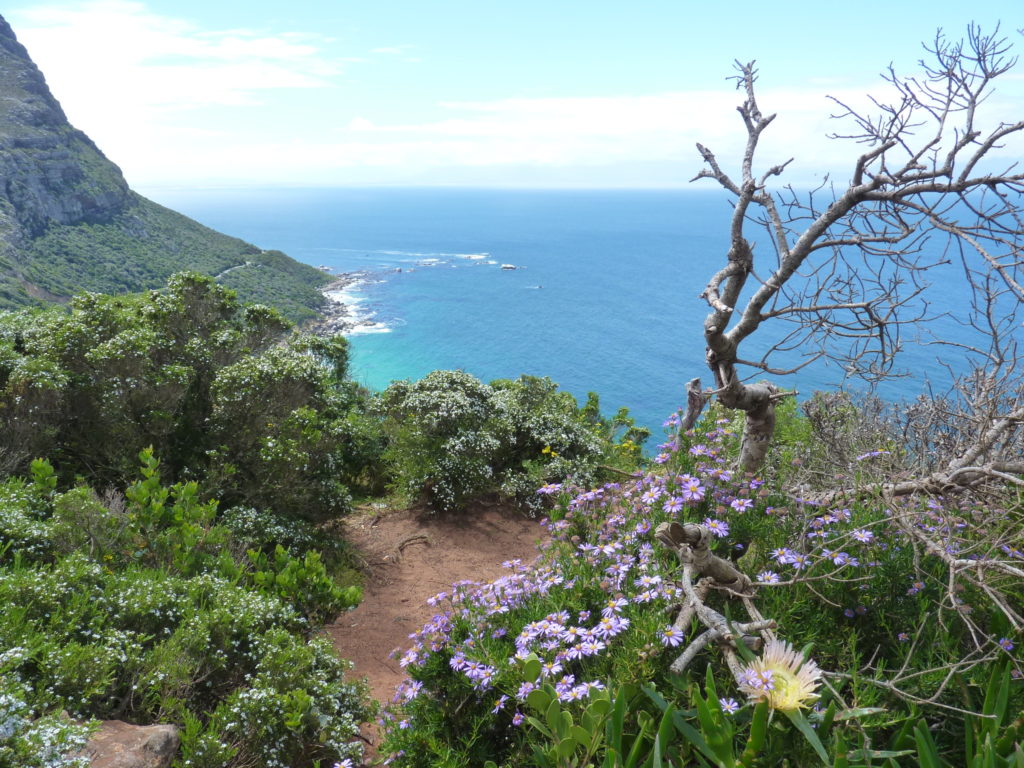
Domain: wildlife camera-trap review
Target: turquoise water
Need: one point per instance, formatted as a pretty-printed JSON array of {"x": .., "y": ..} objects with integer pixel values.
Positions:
[{"x": 604, "y": 296}]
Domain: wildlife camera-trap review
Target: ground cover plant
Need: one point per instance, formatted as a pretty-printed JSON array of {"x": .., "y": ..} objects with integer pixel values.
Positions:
[
  {"x": 589, "y": 656},
  {"x": 142, "y": 607}
]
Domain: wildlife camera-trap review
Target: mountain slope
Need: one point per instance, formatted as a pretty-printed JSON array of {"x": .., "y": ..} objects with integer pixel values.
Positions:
[{"x": 69, "y": 222}]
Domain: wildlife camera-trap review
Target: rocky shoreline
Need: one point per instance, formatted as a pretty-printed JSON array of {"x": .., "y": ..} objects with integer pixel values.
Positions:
[
  {"x": 335, "y": 315},
  {"x": 338, "y": 315}
]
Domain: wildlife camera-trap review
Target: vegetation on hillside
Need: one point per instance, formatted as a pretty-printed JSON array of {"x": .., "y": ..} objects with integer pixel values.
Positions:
[
  {"x": 69, "y": 222},
  {"x": 143, "y": 246},
  {"x": 170, "y": 462},
  {"x": 165, "y": 561}
]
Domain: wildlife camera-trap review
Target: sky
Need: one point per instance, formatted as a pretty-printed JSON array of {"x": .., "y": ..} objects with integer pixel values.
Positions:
[{"x": 532, "y": 93}]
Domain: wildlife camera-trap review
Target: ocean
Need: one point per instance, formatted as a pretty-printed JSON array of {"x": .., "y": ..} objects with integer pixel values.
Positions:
[{"x": 604, "y": 294}]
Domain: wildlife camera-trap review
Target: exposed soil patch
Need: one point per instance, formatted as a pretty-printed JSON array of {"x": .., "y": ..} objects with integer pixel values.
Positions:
[{"x": 410, "y": 556}]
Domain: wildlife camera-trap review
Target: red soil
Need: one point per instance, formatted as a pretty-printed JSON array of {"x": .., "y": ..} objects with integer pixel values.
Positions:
[{"x": 411, "y": 555}]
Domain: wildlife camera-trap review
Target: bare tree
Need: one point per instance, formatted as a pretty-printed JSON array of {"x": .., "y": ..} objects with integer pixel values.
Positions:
[{"x": 848, "y": 266}]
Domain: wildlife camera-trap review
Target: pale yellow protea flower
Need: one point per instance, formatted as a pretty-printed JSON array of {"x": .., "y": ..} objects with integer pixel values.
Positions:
[{"x": 781, "y": 677}]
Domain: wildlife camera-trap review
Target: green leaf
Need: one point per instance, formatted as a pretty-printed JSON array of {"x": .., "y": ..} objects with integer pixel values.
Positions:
[
  {"x": 716, "y": 729},
  {"x": 709, "y": 684},
  {"x": 927, "y": 752},
  {"x": 827, "y": 718},
  {"x": 656, "y": 757},
  {"x": 640, "y": 740},
  {"x": 566, "y": 747},
  {"x": 538, "y": 699},
  {"x": 531, "y": 668},
  {"x": 583, "y": 737},
  {"x": 694, "y": 736},
  {"x": 758, "y": 731},
  {"x": 615, "y": 726},
  {"x": 566, "y": 724},
  {"x": 864, "y": 755},
  {"x": 665, "y": 730},
  {"x": 553, "y": 717},
  {"x": 587, "y": 721},
  {"x": 842, "y": 757},
  {"x": 659, "y": 701},
  {"x": 600, "y": 707},
  {"x": 798, "y": 719},
  {"x": 540, "y": 726}
]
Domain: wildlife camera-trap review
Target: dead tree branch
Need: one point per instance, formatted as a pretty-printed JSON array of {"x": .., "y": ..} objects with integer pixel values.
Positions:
[{"x": 851, "y": 273}]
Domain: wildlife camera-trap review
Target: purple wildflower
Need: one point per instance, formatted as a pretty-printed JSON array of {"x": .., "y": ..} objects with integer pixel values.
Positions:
[
  {"x": 719, "y": 528},
  {"x": 729, "y": 706},
  {"x": 674, "y": 504},
  {"x": 670, "y": 636},
  {"x": 871, "y": 455},
  {"x": 741, "y": 505},
  {"x": 690, "y": 488}
]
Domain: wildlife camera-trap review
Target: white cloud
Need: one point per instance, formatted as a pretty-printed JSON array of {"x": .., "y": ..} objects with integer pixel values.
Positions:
[
  {"x": 120, "y": 70},
  {"x": 598, "y": 131},
  {"x": 360, "y": 124},
  {"x": 630, "y": 140},
  {"x": 174, "y": 103}
]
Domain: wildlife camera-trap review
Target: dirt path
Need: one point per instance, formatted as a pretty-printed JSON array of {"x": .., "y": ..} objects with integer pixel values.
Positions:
[{"x": 411, "y": 556}]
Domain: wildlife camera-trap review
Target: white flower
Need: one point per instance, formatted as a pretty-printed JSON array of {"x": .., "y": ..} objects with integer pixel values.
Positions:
[{"x": 782, "y": 677}]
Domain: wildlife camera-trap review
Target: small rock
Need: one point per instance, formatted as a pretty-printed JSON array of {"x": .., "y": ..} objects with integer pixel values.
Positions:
[{"x": 118, "y": 744}]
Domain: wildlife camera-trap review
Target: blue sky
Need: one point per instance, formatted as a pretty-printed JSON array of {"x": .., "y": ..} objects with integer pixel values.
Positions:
[{"x": 597, "y": 93}]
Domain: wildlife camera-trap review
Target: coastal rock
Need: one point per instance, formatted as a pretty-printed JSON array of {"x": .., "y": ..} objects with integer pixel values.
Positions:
[
  {"x": 122, "y": 745},
  {"x": 335, "y": 316}
]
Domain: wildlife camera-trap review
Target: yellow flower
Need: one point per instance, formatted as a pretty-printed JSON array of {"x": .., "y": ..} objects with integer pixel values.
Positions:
[{"x": 782, "y": 677}]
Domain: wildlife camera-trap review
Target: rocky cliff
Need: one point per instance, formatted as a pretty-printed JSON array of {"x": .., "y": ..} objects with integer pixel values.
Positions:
[{"x": 69, "y": 222}]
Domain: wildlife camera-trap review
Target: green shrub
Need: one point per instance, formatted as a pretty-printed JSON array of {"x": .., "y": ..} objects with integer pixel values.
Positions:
[
  {"x": 453, "y": 438},
  {"x": 597, "y": 609},
  {"x": 30, "y": 740},
  {"x": 199, "y": 378},
  {"x": 133, "y": 608}
]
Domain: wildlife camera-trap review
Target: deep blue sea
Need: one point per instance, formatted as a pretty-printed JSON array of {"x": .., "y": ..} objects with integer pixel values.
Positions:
[{"x": 604, "y": 296}]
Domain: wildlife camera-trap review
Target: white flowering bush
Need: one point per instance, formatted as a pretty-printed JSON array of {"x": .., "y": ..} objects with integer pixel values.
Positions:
[
  {"x": 202, "y": 380},
  {"x": 453, "y": 438},
  {"x": 146, "y": 616},
  {"x": 49, "y": 741}
]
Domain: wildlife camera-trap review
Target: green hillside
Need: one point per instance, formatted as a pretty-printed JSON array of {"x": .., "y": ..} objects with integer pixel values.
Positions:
[{"x": 70, "y": 223}]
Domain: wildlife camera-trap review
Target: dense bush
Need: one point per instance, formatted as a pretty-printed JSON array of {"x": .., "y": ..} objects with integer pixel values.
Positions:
[
  {"x": 199, "y": 377},
  {"x": 565, "y": 662},
  {"x": 135, "y": 608},
  {"x": 453, "y": 438}
]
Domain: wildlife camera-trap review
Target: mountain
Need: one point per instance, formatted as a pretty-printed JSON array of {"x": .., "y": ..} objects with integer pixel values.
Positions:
[{"x": 70, "y": 223}]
